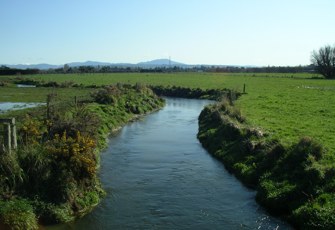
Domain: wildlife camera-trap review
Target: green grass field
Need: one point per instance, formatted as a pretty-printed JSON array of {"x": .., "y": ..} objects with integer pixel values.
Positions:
[
  {"x": 11, "y": 94},
  {"x": 288, "y": 106},
  {"x": 292, "y": 108}
]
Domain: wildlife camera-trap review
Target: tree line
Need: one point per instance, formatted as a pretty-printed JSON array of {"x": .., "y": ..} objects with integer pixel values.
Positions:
[
  {"x": 322, "y": 62},
  {"x": 4, "y": 70}
]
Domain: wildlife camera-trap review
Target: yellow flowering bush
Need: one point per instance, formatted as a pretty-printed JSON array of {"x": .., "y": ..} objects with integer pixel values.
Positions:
[
  {"x": 76, "y": 153},
  {"x": 31, "y": 131}
]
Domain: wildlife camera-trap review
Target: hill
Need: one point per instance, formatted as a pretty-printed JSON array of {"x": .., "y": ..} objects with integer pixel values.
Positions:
[{"x": 148, "y": 64}]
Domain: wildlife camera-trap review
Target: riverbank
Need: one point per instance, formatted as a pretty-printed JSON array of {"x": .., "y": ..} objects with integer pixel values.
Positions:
[
  {"x": 294, "y": 181},
  {"x": 52, "y": 178},
  {"x": 158, "y": 176}
]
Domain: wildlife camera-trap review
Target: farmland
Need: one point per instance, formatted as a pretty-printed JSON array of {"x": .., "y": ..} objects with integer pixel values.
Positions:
[
  {"x": 288, "y": 106},
  {"x": 294, "y": 110}
]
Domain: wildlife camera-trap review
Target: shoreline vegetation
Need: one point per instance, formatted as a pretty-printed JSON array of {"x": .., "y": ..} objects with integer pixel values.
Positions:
[
  {"x": 52, "y": 177},
  {"x": 273, "y": 138},
  {"x": 296, "y": 182}
]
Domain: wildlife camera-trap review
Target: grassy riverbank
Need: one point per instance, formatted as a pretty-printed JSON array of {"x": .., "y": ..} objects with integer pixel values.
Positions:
[
  {"x": 52, "y": 177},
  {"x": 295, "y": 181}
]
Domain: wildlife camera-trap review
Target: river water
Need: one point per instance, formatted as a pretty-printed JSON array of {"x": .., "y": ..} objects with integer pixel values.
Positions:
[{"x": 158, "y": 176}]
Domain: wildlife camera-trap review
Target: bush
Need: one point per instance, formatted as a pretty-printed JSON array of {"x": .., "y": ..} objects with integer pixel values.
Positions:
[
  {"x": 18, "y": 214},
  {"x": 277, "y": 195},
  {"x": 11, "y": 175},
  {"x": 74, "y": 155},
  {"x": 76, "y": 118},
  {"x": 36, "y": 165},
  {"x": 107, "y": 95},
  {"x": 316, "y": 214},
  {"x": 31, "y": 130}
]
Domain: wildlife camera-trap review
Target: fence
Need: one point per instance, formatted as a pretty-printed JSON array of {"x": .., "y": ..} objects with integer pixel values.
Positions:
[{"x": 8, "y": 141}]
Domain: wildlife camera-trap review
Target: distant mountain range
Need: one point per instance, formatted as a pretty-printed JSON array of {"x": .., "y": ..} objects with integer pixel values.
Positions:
[
  {"x": 148, "y": 64},
  {"x": 161, "y": 62}
]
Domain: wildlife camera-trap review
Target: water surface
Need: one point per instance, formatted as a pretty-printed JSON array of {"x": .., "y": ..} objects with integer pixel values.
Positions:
[{"x": 5, "y": 106}]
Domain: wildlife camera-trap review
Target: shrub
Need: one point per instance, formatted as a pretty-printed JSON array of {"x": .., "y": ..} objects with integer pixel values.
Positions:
[
  {"x": 76, "y": 154},
  {"x": 31, "y": 130},
  {"x": 316, "y": 214},
  {"x": 18, "y": 214},
  {"x": 71, "y": 118},
  {"x": 277, "y": 195},
  {"x": 35, "y": 162},
  {"x": 11, "y": 175},
  {"x": 107, "y": 95}
]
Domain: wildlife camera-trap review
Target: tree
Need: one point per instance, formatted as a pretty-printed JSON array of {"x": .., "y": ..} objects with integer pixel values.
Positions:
[
  {"x": 66, "y": 68},
  {"x": 324, "y": 61}
]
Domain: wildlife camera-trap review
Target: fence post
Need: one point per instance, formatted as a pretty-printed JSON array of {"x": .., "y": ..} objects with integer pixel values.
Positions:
[
  {"x": 14, "y": 138},
  {"x": 7, "y": 137},
  {"x": 9, "y": 134}
]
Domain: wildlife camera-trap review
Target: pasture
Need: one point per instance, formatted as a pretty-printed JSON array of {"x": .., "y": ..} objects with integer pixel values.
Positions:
[{"x": 288, "y": 106}]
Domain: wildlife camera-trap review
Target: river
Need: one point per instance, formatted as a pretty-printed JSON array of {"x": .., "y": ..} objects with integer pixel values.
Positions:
[{"x": 158, "y": 176}]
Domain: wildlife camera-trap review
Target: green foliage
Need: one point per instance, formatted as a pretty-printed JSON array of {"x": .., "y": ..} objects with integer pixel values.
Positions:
[
  {"x": 287, "y": 178},
  {"x": 107, "y": 95},
  {"x": 35, "y": 163},
  {"x": 73, "y": 156},
  {"x": 186, "y": 92},
  {"x": 286, "y": 106},
  {"x": 11, "y": 175},
  {"x": 86, "y": 201},
  {"x": 324, "y": 61},
  {"x": 316, "y": 214},
  {"x": 31, "y": 130},
  {"x": 127, "y": 103},
  {"x": 18, "y": 214},
  {"x": 49, "y": 213},
  {"x": 56, "y": 165},
  {"x": 60, "y": 214},
  {"x": 277, "y": 195}
]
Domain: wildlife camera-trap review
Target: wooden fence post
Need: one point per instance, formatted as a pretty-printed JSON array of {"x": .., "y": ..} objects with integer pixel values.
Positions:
[
  {"x": 7, "y": 137},
  {"x": 9, "y": 134},
  {"x": 14, "y": 137}
]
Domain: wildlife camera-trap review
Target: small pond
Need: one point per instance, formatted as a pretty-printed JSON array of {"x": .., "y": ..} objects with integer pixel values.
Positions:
[
  {"x": 25, "y": 86},
  {"x": 6, "y": 106}
]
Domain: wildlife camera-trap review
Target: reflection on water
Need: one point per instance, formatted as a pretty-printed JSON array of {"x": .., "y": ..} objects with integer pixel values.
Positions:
[
  {"x": 158, "y": 176},
  {"x": 25, "y": 86},
  {"x": 5, "y": 106}
]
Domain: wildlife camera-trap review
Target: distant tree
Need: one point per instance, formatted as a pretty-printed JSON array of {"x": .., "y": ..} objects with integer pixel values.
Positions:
[
  {"x": 86, "y": 69},
  {"x": 324, "y": 61},
  {"x": 66, "y": 68}
]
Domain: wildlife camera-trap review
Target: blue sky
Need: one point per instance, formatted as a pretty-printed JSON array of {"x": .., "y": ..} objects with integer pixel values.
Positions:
[{"x": 232, "y": 32}]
